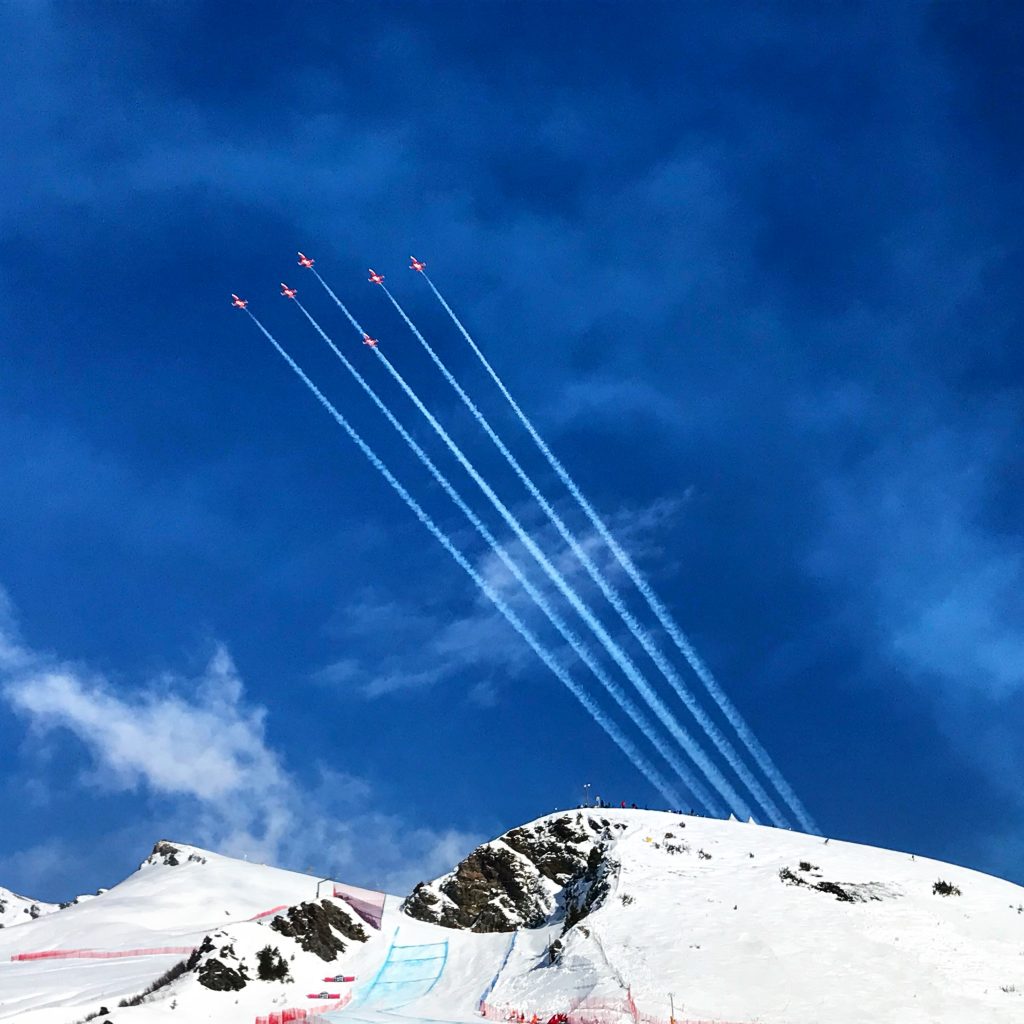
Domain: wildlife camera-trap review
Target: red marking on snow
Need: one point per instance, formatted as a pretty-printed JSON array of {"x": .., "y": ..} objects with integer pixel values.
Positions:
[
  {"x": 589, "y": 1011},
  {"x": 311, "y": 1015},
  {"x": 267, "y": 913},
  {"x": 103, "y": 954}
]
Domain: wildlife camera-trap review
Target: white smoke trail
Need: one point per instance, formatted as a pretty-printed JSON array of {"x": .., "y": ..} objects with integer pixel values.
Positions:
[
  {"x": 582, "y": 651},
  {"x": 341, "y": 305},
  {"x": 679, "y": 638},
  {"x": 686, "y": 741},
  {"x": 691, "y": 746},
  {"x": 611, "y": 729},
  {"x": 695, "y": 787},
  {"x": 696, "y": 752}
]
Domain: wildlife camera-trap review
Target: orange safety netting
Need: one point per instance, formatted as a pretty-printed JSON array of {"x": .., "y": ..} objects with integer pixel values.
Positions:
[
  {"x": 309, "y": 1014},
  {"x": 102, "y": 954},
  {"x": 588, "y": 1011},
  {"x": 267, "y": 913}
]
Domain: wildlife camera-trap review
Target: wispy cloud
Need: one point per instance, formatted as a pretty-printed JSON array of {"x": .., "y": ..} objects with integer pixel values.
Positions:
[
  {"x": 202, "y": 748},
  {"x": 393, "y": 646},
  {"x": 207, "y": 746},
  {"x": 945, "y": 589}
]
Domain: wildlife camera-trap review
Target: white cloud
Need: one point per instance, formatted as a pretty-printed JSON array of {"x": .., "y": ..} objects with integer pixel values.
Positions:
[
  {"x": 915, "y": 564},
  {"x": 421, "y": 648},
  {"x": 12, "y": 654},
  {"x": 201, "y": 748},
  {"x": 208, "y": 747},
  {"x": 945, "y": 591}
]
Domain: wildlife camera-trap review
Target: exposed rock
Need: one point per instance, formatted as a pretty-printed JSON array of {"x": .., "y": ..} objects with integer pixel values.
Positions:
[
  {"x": 164, "y": 853},
  {"x": 554, "y": 846},
  {"x": 588, "y": 890},
  {"x": 15, "y": 909},
  {"x": 516, "y": 880},
  {"x": 217, "y": 976},
  {"x": 204, "y": 947},
  {"x": 314, "y": 925},
  {"x": 495, "y": 889},
  {"x": 846, "y": 892},
  {"x": 222, "y": 973}
]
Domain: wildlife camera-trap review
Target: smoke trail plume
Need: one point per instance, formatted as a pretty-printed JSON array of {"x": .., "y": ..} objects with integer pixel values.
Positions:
[
  {"x": 696, "y": 752},
  {"x": 664, "y": 617},
  {"x": 649, "y": 732},
  {"x": 610, "y": 728},
  {"x": 581, "y": 650}
]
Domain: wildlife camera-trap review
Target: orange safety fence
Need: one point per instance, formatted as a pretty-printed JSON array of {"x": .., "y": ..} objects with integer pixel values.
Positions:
[
  {"x": 309, "y": 1014},
  {"x": 267, "y": 913},
  {"x": 103, "y": 954},
  {"x": 588, "y": 1011}
]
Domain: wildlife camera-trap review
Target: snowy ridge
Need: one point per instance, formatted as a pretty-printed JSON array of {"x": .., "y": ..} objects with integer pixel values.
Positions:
[
  {"x": 639, "y": 913},
  {"x": 15, "y": 909}
]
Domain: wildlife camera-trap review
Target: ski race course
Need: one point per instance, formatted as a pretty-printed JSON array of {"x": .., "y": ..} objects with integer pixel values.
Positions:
[{"x": 723, "y": 921}]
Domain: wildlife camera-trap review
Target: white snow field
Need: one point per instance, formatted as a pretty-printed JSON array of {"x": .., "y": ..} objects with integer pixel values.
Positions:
[
  {"x": 696, "y": 909},
  {"x": 15, "y": 909}
]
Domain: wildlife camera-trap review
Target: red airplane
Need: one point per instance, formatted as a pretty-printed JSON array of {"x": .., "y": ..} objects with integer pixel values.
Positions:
[
  {"x": 286, "y": 291},
  {"x": 416, "y": 264},
  {"x": 237, "y": 302},
  {"x": 367, "y": 340},
  {"x": 375, "y": 277},
  {"x": 305, "y": 261}
]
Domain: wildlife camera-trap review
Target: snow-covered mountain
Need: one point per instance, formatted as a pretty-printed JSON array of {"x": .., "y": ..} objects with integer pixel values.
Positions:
[
  {"x": 607, "y": 916},
  {"x": 15, "y": 909}
]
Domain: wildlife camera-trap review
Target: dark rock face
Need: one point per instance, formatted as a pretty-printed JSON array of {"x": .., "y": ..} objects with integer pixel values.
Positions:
[
  {"x": 33, "y": 910},
  {"x": 490, "y": 887},
  {"x": 517, "y": 880},
  {"x": 554, "y": 850},
  {"x": 588, "y": 890},
  {"x": 218, "y": 977},
  {"x": 218, "y": 974},
  {"x": 313, "y": 926},
  {"x": 847, "y": 892},
  {"x": 164, "y": 853}
]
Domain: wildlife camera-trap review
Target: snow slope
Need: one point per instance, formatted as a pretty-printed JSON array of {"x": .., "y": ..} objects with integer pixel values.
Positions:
[
  {"x": 716, "y": 926},
  {"x": 159, "y": 906},
  {"x": 739, "y": 922},
  {"x": 15, "y": 909}
]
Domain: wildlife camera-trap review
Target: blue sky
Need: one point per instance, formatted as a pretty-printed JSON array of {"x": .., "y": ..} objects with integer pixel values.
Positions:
[{"x": 753, "y": 269}]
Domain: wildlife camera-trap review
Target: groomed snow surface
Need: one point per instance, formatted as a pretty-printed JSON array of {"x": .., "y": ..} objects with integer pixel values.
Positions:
[{"x": 697, "y": 909}]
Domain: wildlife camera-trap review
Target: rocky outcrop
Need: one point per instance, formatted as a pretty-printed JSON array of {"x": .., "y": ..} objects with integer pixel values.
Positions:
[
  {"x": 15, "y": 909},
  {"x": 495, "y": 889},
  {"x": 528, "y": 877},
  {"x": 317, "y": 926},
  {"x": 164, "y": 853},
  {"x": 219, "y": 970},
  {"x": 845, "y": 892},
  {"x": 588, "y": 889},
  {"x": 558, "y": 849}
]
